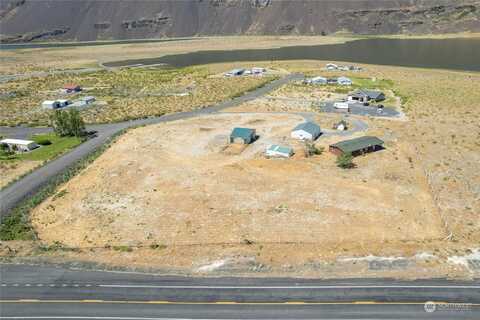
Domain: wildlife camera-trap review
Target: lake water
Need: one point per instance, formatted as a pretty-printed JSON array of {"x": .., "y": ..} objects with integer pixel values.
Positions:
[{"x": 457, "y": 54}]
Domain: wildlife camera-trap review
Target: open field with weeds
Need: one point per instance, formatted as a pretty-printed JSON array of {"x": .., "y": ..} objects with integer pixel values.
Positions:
[{"x": 122, "y": 94}]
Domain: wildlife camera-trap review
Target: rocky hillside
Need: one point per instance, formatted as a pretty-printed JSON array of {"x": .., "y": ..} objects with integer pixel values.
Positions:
[{"x": 27, "y": 20}]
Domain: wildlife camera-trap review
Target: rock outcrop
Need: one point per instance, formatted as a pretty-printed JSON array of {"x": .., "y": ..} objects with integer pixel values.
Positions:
[{"x": 27, "y": 20}]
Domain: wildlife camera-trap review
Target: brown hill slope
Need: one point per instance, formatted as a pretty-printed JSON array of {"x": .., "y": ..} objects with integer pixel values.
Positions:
[{"x": 26, "y": 20}]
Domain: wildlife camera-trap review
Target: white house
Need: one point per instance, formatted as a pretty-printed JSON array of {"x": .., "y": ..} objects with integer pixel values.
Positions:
[
  {"x": 88, "y": 99},
  {"x": 306, "y": 131},
  {"x": 20, "y": 145},
  {"x": 279, "y": 151},
  {"x": 50, "y": 104},
  {"x": 344, "y": 81}
]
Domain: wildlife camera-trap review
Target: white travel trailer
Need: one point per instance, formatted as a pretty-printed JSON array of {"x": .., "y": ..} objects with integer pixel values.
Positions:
[
  {"x": 50, "y": 104},
  {"x": 341, "y": 105},
  {"x": 19, "y": 145}
]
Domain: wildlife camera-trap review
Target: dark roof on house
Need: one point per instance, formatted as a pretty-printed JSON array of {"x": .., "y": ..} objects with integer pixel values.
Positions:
[
  {"x": 372, "y": 94},
  {"x": 349, "y": 146},
  {"x": 309, "y": 127},
  {"x": 245, "y": 133}
]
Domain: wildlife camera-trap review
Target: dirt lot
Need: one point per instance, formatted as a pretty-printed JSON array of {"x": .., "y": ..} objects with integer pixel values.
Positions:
[{"x": 183, "y": 189}]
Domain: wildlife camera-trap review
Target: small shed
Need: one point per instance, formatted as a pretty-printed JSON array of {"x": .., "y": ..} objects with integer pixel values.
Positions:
[
  {"x": 344, "y": 81},
  {"x": 72, "y": 88},
  {"x": 19, "y": 145},
  {"x": 357, "y": 146},
  {"x": 275, "y": 150},
  {"x": 341, "y": 126},
  {"x": 306, "y": 131},
  {"x": 88, "y": 99},
  {"x": 50, "y": 104},
  {"x": 242, "y": 135}
]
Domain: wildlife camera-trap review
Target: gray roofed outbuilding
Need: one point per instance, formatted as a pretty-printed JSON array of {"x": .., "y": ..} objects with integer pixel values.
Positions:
[{"x": 309, "y": 127}]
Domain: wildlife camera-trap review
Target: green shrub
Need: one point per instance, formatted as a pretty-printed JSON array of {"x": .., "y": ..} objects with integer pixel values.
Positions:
[
  {"x": 311, "y": 149},
  {"x": 345, "y": 161},
  {"x": 122, "y": 248},
  {"x": 43, "y": 141}
]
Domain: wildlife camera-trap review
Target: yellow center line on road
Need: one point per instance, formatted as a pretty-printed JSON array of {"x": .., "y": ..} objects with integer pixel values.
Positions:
[{"x": 230, "y": 302}]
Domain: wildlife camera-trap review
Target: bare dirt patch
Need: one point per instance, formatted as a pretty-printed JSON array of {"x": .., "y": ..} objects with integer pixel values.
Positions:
[{"x": 173, "y": 184}]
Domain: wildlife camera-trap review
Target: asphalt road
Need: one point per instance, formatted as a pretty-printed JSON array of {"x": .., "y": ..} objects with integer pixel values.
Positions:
[
  {"x": 43, "y": 292},
  {"x": 28, "y": 185}
]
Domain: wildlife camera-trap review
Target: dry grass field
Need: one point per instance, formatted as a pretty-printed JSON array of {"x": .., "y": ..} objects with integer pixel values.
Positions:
[{"x": 122, "y": 94}]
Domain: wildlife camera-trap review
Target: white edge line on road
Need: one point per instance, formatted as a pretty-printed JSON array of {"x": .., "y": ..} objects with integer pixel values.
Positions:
[
  {"x": 288, "y": 287},
  {"x": 126, "y": 318},
  {"x": 113, "y": 318}
]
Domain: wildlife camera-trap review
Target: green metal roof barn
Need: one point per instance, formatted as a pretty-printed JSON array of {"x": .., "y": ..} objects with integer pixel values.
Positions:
[{"x": 357, "y": 146}]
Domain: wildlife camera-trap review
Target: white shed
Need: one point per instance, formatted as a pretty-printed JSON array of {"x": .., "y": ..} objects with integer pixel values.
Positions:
[
  {"x": 88, "y": 99},
  {"x": 19, "y": 144},
  {"x": 279, "y": 151},
  {"x": 306, "y": 131},
  {"x": 50, "y": 104}
]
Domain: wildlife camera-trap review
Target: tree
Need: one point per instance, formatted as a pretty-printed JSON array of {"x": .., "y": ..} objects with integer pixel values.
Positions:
[
  {"x": 345, "y": 161},
  {"x": 68, "y": 123}
]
